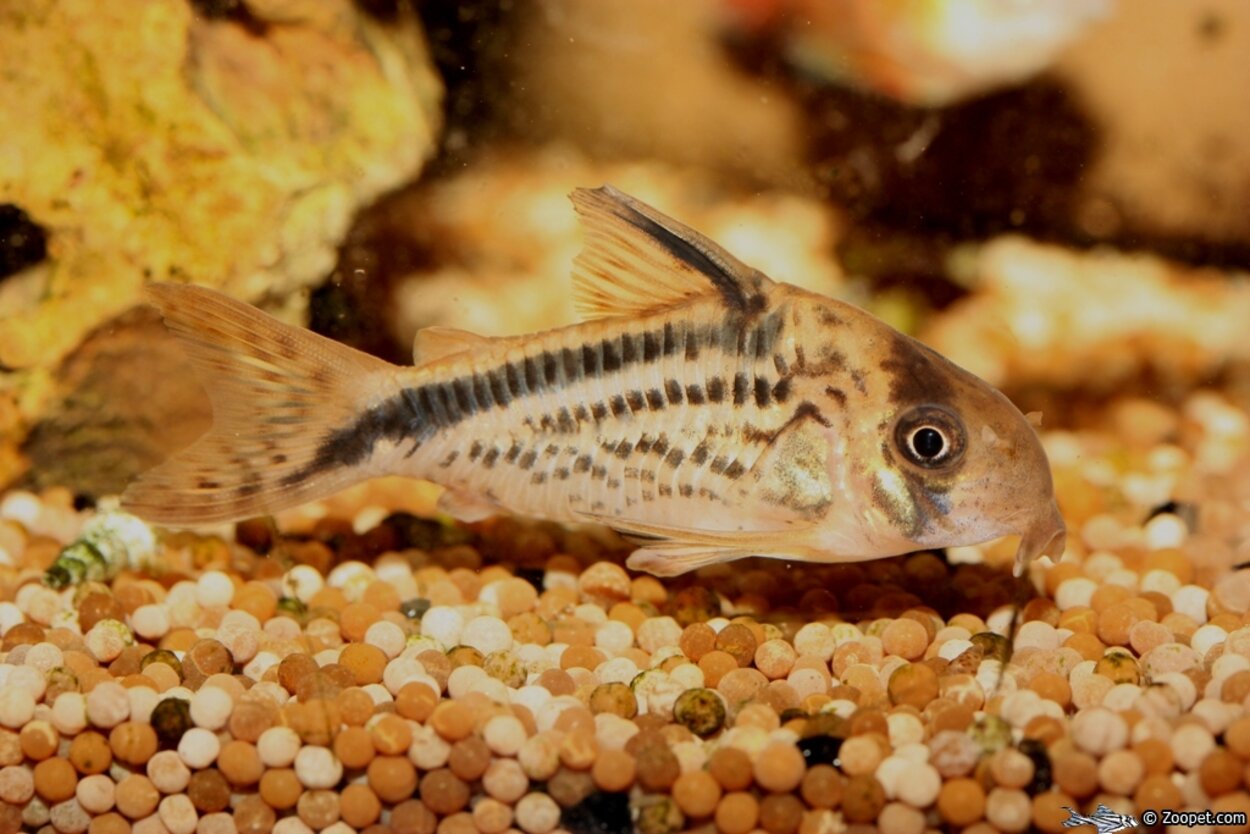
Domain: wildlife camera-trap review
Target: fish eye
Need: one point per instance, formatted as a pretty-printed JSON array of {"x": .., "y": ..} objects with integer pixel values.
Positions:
[
  {"x": 930, "y": 437},
  {"x": 927, "y": 442}
]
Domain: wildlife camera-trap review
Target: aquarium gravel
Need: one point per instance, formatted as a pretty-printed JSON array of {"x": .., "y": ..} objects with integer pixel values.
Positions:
[{"x": 382, "y": 672}]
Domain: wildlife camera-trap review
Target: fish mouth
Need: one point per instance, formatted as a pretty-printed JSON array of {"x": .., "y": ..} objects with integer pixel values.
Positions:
[{"x": 1046, "y": 536}]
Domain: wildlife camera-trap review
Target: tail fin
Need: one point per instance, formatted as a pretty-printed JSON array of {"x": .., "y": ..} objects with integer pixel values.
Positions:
[{"x": 279, "y": 395}]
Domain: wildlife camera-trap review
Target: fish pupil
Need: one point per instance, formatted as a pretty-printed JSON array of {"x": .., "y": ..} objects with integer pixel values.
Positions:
[{"x": 928, "y": 442}]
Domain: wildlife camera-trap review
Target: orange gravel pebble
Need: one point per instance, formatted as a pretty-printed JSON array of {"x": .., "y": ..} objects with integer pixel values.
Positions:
[
  {"x": 280, "y": 788},
  {"x": 382, "y": 596},
  {"x": 257, "y": 599},
  {"x": 469, "y": 758},
  {"x": 615, "y": 770},
  {"x": 359, "y": 806},
  {"x": 657, "y": 767},
  {"x": 1155, "y": 755},
  {"x": 1116, "y": 621},
  {"x": 1156, "y": 791},
  {"x": 133, "y": 742},
  {"x": 731, "y": 768},
  {"x": 697, "y": 793},
  {"x": 318, "y": 809},
  {"x": 581, "y": 657},
  {"x": 961, "y": 802},
  {"x": 392, "y": 778},
  {"x": 355, "y": 619},
  {"x": 109, "y": 823},
  {"x": 90, "y": 753},
  {"x": 738, "y": 641},
  {"x": 416, "y": 701},
  {"x": 442, "y": 792},
  {"x": 239, "y": 763},
  {"x": 1087, "y": 645},
  {"x": 136, "y": 797},
  {"x": 208, "y": 791},
  {"x": 1076, "y": 774},
  {"x": 55, "y": 780},
  {"x": 557, "y": 682},
  {"x": 38, "y": 740},
  {"x": 331, "y": 599},
  {"x": 1107, "y": 595},
  {"x": 452, "y": 720},
  {"x": 775, "y": 658},
  {"x": 697, "y": 639},
  {"x": 1052, "y": 687},
  {"x": 913, "y": 685},
  {"x": 413, "y": 817},
  {"x": 715, "y": 665},
  {"x": 862, "y": 798},
  {"x": 906, "y": 638},
  {"x": 1050, "y": 811},
  {"x": 737, "y": 813},
  {"x": 823, "y": 786},
  {"x": 1220, "y": 773},
  {"x": 1237, "y": 737},
  {"x": 1079, "y": 619},
  {"x": 251, "y": 815},
  {"x": 781, "y": 813},
  {"x": 779, "y": 767},
  {"x": 365, "y": 662},
  {"x": 355, "y": 706},
  {"x": 391, "y": 735}
]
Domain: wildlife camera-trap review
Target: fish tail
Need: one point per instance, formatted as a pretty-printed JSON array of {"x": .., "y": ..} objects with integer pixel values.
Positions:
[{"x": 280, "y": 394}]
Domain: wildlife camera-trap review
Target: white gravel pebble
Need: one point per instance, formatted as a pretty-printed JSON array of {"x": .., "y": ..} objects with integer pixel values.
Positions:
[
  {"x": 443, "y": 624},
  {"x": 487, "y": 634},
  {"x": 277, "y": 746},
  {"x": 1191, "y": 600},
  {"x": 1206, "y": 638},
  {"x": 387, "y": 636},
  {"x": 198, "y": 747},
  {"x": 211, "y": 707},
  {"x": 214, "y": 589},
  {"x": 317, "y": 767},
  {"x": 1075, "y": 591},
  {"x": 302, "y": 582},
  {"x": 815, "y": 639}
]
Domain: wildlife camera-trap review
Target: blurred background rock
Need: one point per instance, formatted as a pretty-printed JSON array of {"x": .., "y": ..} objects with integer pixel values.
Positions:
[
  {"x": 1054, "y": 197},
  {"x": 218, "y": 142}
]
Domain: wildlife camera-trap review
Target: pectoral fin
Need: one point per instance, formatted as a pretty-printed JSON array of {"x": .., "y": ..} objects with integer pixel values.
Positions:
[
  {"x": 667, "y": 550},
  {"x": 465, "y": 507},
  {"x": 674, "y": 561}
]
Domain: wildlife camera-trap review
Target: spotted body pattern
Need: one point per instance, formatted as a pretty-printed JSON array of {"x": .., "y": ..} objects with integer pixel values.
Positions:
[
  {"x": 109, "y": 542},
  {"x": 702, "y": 409}
]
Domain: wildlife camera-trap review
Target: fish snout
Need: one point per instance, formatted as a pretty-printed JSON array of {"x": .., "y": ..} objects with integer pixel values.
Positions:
[{"x": 1046, "y": 536}]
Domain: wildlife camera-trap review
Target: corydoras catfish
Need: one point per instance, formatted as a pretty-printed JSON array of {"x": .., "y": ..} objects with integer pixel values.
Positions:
[{"x": 701, "y": 409}]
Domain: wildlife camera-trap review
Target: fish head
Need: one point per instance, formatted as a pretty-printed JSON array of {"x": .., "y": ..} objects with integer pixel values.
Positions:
[{"x": 956, "y": 463}]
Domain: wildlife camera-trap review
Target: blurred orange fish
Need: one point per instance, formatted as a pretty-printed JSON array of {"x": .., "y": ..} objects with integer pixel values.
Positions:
[
  {"x": 703, "y": 410},
  {"x": 923, "y": 52}
]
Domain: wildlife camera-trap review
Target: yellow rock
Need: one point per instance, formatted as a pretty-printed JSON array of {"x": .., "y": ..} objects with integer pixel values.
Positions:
[{"x": 154, "y": 144}]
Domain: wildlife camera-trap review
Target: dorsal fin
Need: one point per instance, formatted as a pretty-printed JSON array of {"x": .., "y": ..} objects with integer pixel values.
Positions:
[
  {"x": 438, "y": 342},
  {"x": 636, "y": 259}
]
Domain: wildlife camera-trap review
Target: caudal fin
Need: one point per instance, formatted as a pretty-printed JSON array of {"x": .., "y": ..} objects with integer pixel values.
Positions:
[{"x": 280, "y": 397}]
